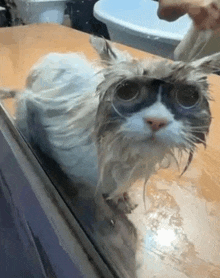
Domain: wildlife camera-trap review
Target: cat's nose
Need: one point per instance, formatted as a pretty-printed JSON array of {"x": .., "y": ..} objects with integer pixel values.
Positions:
[{"x": 156, "y": 124}]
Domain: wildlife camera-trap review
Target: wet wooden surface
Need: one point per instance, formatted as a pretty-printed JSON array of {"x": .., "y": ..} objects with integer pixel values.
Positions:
[{"x": 180, "y": 230}]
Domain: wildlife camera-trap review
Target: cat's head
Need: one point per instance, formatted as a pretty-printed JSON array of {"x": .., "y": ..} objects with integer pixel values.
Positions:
[{"x": 154, "y": 102}]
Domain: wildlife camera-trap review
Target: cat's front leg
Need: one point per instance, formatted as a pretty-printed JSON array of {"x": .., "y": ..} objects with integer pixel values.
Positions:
[
  {"x": 119, "y": 198},
  {"x": 115, "y": 181}
]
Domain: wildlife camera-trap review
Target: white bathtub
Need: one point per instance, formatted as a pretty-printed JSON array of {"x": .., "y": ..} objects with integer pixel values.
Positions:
[{"x": 135, "y": 23}]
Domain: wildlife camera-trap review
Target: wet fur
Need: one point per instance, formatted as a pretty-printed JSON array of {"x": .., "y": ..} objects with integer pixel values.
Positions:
[{"x": 66, "y": 111}]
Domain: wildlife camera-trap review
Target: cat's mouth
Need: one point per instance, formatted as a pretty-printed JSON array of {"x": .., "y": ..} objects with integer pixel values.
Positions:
[
  {"x": 156, "y": 140},
  {"x": 153, "y": 137}
]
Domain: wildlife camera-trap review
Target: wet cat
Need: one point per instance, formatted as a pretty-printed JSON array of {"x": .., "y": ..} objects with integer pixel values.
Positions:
[{"x": 117, "y": 123}]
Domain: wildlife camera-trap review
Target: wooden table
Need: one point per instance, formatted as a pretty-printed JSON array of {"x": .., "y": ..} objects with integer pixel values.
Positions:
[{"x": 192, "y": 202}]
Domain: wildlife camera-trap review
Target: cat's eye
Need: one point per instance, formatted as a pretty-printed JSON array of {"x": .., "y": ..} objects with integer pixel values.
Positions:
[
  {"x": 187, "y": 97},
  {"x": 127, "y": 91}
]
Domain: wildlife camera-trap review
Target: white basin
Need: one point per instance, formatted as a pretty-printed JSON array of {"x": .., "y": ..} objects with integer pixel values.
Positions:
[{"x": 135, "y": 23}]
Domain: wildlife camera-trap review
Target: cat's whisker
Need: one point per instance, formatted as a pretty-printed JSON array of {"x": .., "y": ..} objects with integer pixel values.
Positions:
[
  {"x": 144, "y": 193},
  {"x": 190, "y": 142},
  {"x": 193, "y": 140},
  {"x": 202, "y": 142},
  {"x": 198, "y": 127},
  {"x": 201, "y": 130},
  {"x": 190, "y": 139},
  {"x": 193, "y": 137},
  {"x": 198, "y": 130}
]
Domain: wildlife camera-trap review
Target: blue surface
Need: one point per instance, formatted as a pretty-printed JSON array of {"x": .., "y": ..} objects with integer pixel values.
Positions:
[
  {"x": 140, "y": 16},
  {"x": 29, "y": 246}
]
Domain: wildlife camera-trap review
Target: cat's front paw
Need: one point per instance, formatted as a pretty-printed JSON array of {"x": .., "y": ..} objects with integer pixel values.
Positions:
[{"x": 121, "y": 203}]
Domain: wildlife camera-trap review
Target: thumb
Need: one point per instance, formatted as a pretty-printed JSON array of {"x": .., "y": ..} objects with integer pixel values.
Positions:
[{"x": 170, "y": 13}]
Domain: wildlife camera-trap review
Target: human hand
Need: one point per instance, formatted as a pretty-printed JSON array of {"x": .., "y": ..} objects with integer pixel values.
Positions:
[{"x": 204, "y": 13}]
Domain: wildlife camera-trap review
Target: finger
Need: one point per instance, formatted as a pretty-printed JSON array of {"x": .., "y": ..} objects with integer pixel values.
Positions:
[
  {"x": 169, "y": 13},
  {"x": 206, "y": 17}
]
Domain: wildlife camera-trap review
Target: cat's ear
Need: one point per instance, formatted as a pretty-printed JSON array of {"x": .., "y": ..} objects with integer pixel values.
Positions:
[
  {"x": 209, "y": 64},
  {"x": 107, "y": 53}
]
